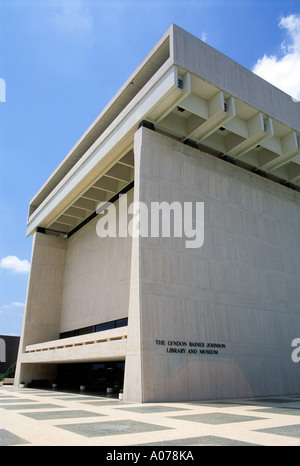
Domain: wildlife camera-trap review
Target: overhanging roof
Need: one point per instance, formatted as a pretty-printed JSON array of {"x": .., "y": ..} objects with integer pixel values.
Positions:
[{"x": 189, "y": 91}]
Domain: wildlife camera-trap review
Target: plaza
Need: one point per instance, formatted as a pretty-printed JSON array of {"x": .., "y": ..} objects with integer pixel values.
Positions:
[{"x": 32, "y": 417}]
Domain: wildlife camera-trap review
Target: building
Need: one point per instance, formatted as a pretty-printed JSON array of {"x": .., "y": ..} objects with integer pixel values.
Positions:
[
  {"x": 9, "y": 346},
  {"x": 211, "y": 313}
]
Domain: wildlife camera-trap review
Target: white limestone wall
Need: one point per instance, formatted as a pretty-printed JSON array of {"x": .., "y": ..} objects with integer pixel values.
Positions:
[
  {"x": 241, "y": 289},
  {"x": 96, "y": 277}
]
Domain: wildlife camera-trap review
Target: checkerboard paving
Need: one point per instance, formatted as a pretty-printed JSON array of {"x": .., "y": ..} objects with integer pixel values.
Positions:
[{"x": 30, "y": 417}]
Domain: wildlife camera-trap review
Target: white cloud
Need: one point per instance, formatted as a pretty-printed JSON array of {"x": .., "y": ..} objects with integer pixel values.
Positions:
[
  {"x": 15, "y": 264},
  {"x": 204, "y": 36},
  {"x": 5, "y": 308},
  {"x": 283, "y": 69},
  {"x": 72, "y": 17}
]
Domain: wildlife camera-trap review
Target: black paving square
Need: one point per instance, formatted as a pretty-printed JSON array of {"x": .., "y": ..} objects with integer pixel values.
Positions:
[
  {"x": 280, "y": 410},
  {"x": 288, "y": 431},
  {"x": 46, "y": 415},
  {"x": 78, "y": 398},
  {"x": 213, "y": 404},
  {"x": 36, "y": 405},
  {"x": 274, "y": 400},
  {"x": 16, "y": 400},
  {"x": 116, "y": 403},
  {"x": 152, "y": 409},
  {"x": 216, "y": 418},
  {"x": 100, "y": 429},
  {"x": 9, "y": 439},
  {"x": 206, "y": 440}
]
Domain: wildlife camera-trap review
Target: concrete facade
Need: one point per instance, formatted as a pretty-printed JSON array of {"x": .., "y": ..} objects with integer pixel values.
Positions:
[
  {"x": 89, "y": 267},
  {"x": 239, "y": 291},
  {"x": 210, "y": 320}
]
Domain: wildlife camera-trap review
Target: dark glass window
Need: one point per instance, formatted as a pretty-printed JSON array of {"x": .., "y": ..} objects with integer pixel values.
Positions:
[
  {"x": 122, "y": 322},
  {"x": 71, "y": 333},
  {"x": 96, "y": 328},
  {"x": 104, "y": 326},
  {"x": 85, "y": 330}
]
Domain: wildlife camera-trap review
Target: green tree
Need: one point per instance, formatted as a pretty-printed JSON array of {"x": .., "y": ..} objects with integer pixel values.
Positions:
[{"x": 10, "y": 373}]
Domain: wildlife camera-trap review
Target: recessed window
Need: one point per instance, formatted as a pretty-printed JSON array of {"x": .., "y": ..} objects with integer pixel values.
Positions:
[{"x": 96, "y": 328}]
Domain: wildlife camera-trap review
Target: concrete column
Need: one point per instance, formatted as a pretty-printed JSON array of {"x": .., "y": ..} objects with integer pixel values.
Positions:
[
  {"x": 43, "y": 302},
  {"x": 133, "y": 377}
]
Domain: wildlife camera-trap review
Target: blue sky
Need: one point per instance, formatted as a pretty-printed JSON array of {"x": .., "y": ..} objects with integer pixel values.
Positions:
[{"x": 61, "y": 62}]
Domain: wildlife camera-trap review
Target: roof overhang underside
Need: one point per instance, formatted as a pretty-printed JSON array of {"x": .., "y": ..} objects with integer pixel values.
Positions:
[{"x": 181, "y": 105}]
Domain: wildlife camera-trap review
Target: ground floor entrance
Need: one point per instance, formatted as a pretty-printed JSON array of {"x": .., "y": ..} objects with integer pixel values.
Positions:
[{"x": 96, "y": 376}]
